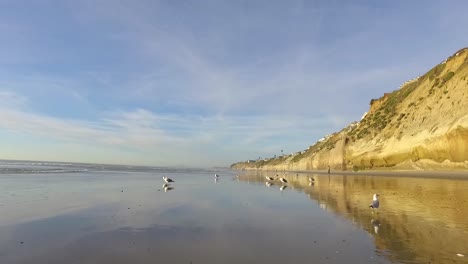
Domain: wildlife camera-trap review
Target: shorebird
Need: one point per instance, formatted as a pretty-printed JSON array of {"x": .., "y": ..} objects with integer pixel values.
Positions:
[
  {"x": 269, "y": 178},
  {"x": 216, "y": 175},
  {"x": 167, "y": 180},
  {"x": 283, "y": 180},
  {"x": 375, "y": 202}
]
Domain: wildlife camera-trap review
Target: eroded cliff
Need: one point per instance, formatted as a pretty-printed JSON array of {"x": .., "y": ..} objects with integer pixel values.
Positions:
[{"x": 421, "y": 125}]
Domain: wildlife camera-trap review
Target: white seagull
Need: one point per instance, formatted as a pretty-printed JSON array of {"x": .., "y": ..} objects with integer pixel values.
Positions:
[
  {"x": 269, "y": 178},
  {"x": 375, "y": 201},
  {"x": 167, "y": 180},
  {"x": 283, "y": 180}
]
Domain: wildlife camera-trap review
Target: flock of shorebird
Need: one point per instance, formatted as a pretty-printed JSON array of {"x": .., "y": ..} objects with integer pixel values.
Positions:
[
  {"x": 374, "y": 204},
  {"x": 375, "y": 198},
  {"x": 284, "y": 181}
]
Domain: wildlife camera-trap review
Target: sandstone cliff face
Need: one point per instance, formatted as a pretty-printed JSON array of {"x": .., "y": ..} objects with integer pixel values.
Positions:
[{"x": 421, "y": 125}]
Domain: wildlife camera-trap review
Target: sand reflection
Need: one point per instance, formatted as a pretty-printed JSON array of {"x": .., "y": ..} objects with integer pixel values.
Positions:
[{"x": 419, "y": 220}]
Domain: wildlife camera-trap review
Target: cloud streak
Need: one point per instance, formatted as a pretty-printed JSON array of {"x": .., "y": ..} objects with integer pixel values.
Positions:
[{"x": 147, "y": 132}]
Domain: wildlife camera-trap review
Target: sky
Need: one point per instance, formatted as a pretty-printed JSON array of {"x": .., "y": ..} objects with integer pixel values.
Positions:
[{"x": 204, "y": 83}]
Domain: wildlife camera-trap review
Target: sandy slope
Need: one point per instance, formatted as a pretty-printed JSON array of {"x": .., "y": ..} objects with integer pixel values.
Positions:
[{"x": 423, "y": 125}]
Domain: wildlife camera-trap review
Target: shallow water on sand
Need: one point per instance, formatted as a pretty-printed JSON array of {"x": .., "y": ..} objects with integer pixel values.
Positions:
[{"x": 124, "y": 216}]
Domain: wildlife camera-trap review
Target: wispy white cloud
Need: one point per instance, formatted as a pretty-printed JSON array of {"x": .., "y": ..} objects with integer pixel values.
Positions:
[
  {"x": 152, "y": 133},
  {"x": 301, "y": 79}
]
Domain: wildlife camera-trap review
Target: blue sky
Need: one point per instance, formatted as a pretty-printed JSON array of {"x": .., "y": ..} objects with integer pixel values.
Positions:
[{"x": 204, "y": 83}]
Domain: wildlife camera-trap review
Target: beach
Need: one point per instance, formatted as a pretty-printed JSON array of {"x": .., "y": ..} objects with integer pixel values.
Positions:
[{"x": 77, "y": 213}]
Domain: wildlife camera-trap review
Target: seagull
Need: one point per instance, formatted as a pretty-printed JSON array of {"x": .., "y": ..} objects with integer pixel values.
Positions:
[
  {"x": 375, "y": 202},
  {"x": 167, "y": 180},
  {"x": 283, "y": 187},
  {"x": 283, "y": 180},
  {"x": 269, "y": 178}
]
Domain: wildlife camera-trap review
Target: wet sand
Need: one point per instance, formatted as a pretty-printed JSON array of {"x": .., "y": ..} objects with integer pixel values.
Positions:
[
  {"x": 127, "y": 217},
  {"x": 421, "y": 220},
  {"x": 454, "y": 174}
]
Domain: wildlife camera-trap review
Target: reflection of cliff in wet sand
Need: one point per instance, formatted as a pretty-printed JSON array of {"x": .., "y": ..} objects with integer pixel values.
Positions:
[{"x": 418, "y": 219}]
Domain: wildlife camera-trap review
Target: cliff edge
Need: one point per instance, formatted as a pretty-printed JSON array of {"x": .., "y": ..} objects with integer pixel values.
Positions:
[{"x": 423, "y": 125}]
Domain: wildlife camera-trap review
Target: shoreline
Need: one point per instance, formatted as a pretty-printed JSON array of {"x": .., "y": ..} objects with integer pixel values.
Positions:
[{"x": 456, "y": 174}]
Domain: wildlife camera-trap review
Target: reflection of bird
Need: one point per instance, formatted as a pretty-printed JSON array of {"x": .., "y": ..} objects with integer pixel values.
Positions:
[
  {"x": 283, "y": 187},
  {"x": 376, "y": 224},
  {"x": 167, "y": 180},
  {"x": 311, "y": 183},
  {"x": 269, "y": 178},
  {"x": 216, "y": 180},
  {"x": 165, "y": 185},
  {"x": 283, "y": 180},
  {"x": 375, "y": 201},
  {"x": 268, "y": 184},
  {"x": 311, "y": 179},
  {"x": 167, "y": 188}
]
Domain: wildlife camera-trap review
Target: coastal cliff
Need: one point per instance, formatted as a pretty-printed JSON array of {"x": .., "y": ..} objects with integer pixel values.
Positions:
[{"x": 423, "y": 125}]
